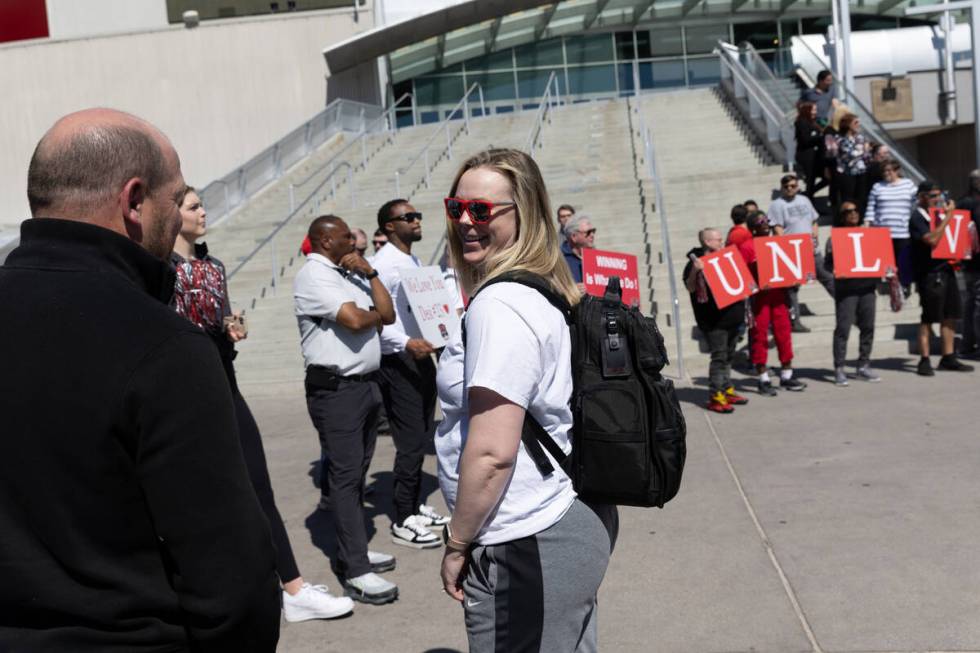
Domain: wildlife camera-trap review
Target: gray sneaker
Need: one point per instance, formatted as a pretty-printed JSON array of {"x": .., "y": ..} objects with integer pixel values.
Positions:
[
  {"x": 840, "y": 377},
  {"x": 866, "y": 374}
]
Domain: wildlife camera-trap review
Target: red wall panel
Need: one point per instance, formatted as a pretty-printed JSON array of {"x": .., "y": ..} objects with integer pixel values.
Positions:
[{"x": 22, "y": 19}]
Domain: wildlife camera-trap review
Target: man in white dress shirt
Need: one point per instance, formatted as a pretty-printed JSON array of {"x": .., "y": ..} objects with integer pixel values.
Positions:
[
  {"x": 408, "y": 381},
  {"x": 341, "y": 306}
]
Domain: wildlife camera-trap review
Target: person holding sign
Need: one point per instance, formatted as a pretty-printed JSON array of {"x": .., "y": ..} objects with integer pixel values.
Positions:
[
  {"x": 769, "y": 307},
  {"x": 970, "y": 346},
  {"x": 935, "y": 279},
  {"x": 407, "y": 379},
  {"x": 720, "y": 326},
  {"x": 854, "y": 302}
]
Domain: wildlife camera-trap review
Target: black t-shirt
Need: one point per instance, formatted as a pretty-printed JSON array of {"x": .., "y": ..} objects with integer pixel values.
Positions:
[
  {"x": 707, "y": 314},
  {"x": 922, "y": 261}
]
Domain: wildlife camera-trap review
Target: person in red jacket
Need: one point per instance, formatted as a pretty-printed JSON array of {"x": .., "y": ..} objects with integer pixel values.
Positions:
[
  {"x": 739, "y": 233},
  {"x": 769, "y": 308}
]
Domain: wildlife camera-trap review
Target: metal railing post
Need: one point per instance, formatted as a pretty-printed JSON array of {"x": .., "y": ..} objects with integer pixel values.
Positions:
[
  {"x": 449, "y": 143},
  {"x": 483, "y": 107},
  {"x": 466, "y": 113}
]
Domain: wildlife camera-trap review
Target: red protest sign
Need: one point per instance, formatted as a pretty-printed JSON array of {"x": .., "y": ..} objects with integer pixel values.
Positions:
[
  {"x": 861, "y": 252},
  {"x": 784, "y": 261},
  {"x": 728, "y": 276},
  {"x": 599, "y": 265},
  {"x": 955, "y": 241}
]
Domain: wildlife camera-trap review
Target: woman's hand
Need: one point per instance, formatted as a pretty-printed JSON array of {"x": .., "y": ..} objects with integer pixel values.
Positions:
[
  {"x": 453, "y": 571},
  {"x": 233, "y": 327}
]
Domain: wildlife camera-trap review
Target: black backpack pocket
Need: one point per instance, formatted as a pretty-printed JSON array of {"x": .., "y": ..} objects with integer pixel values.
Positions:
[{"x": 669, "y": 441}]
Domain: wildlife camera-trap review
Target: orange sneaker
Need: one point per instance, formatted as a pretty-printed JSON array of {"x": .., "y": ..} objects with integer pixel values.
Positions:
[{"x": 733, "y": 398}]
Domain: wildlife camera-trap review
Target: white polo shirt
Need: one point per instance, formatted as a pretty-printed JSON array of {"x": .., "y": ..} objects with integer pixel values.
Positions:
[
  {"x": 388, "y": 262},
  {"x": 320, "y": 289},
  {"x": 519, "y": 346}
]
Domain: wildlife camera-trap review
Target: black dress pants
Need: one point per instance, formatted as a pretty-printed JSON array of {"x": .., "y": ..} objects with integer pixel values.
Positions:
[
  {"x": 346, "y": 420},
  {"x": 409, "y": 390}
]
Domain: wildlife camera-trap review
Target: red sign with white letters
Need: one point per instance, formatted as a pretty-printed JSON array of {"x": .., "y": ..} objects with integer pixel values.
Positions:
[
  {"x": 784, "y": 261},
  {"x": 955, "y": 242},
  {"x": 862, "y": 252},
  {"x": 728, "y": 276},
  {"x": 599, "y": 265}
]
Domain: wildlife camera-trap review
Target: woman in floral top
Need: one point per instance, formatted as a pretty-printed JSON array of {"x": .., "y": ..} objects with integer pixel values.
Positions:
[
  {"x": 852, "y": 162},
  {"x": 201, "y": 295}
]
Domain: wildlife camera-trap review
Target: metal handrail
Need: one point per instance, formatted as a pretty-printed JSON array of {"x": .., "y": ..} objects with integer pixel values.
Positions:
[
  {"x": 364, "y": 132},
  {"x": 444, "y": 125},
  {"x": 675, "y": 306},
  {"x": 751, "y": 84},
  {"x": 272, "y": 235},
  {"x": 758, "y": 63},
  {"x": 872, "y": 127},
  {"x": 543, "y": 108}
]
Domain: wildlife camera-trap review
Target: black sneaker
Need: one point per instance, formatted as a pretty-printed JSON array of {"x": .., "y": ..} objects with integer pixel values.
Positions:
[
  {"x": 950, "y": 364},
  {"x": 793, "y": 384},
  {"x": 766, "y": 389},
  {"x": 799, "y": 328},
  {"x": 924, "y": 368}
]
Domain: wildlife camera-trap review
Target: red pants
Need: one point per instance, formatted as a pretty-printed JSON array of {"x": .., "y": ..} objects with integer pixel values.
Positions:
[{"x": 769, "y": 306}]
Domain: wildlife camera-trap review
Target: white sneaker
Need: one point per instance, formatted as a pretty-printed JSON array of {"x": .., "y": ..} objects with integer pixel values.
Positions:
[
  {"x": 430, "y": 518},
  {"x": 381, "y": 562},
  {"x": 314, "y": 602},
  {"x": 414, "y": 533},
  {"x": 370, "y": 588}
]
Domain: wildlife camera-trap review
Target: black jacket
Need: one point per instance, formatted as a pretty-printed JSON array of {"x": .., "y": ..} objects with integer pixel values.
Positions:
[
  {"x": 707, "y": 315},
  {"x": 127, "y": 519}
]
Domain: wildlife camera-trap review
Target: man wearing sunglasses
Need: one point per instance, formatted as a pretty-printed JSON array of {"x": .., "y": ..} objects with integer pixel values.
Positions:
[
  {"x": 579, "y": 235},
  {"x": 935, "y": 279},
  {"x": 793, "y": 213},
  {"x": 408, "y": 381}
]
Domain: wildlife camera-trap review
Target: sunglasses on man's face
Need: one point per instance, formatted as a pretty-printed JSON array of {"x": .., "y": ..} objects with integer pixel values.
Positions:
[
  {"x": 480, "y": 211},
  {"x": 379, "y": 243},
  {"x": 411, "y": 216},
  {"x": 588, "y": 232}
]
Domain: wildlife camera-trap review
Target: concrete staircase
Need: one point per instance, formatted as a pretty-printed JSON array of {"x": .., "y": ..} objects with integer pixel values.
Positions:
[{"x": 706, "y": 166}]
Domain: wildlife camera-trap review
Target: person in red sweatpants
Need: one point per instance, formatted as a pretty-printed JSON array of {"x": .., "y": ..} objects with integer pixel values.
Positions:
[{"x": 769, "y": 308}]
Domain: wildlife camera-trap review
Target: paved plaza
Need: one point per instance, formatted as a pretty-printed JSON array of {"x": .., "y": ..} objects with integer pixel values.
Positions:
[{"x": 839, "y": 519}]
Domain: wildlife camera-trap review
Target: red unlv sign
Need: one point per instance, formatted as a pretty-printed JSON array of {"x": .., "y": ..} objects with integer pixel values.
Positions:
[
  {"x": 598, "y": 266},
  {"x": 784, "y": 261},
  {"x": 862, "y": 252},
  {"x": 728, "y": 276},
  {"x": 955, "y": 241}
]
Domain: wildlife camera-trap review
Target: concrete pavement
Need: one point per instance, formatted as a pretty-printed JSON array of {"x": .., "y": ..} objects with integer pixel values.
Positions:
[{"x": 839, "y": 519}]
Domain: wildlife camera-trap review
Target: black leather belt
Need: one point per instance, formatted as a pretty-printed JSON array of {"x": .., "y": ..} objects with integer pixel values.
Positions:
[{"x": 326, "y": 378}]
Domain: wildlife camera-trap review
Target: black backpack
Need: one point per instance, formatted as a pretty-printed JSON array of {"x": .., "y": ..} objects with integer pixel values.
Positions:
[{"x": 628, "y": 437}]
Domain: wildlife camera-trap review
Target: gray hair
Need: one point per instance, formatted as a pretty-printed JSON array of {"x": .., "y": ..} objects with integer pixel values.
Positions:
[
  {"x": 703, "y": 234},
  {"x": 574, "y": 223},
  {"x": 92, "y": 165}
]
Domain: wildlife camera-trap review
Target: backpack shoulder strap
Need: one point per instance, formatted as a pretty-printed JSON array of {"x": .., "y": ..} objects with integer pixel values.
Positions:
[
  {"x": 531, "y": 281},
  {"x": 536, "y": 440}
]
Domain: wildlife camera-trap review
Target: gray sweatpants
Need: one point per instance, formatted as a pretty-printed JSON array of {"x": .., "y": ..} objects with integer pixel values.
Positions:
[{"x": 538, "y": 593}]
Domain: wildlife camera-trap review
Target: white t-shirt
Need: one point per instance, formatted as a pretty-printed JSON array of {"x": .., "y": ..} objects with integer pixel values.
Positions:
[
  {"x": 519, "y": 346},
  {"x": 389, "y": 262}
]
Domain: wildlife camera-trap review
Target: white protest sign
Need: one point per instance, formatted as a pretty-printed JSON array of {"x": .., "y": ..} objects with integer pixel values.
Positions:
[{"x": 430, "y": 303}]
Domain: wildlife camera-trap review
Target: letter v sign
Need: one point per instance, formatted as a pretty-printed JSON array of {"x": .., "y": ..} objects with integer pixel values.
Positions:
[
  {"x": 728, "y": 277},
  {"x": 956, "y": 238}
]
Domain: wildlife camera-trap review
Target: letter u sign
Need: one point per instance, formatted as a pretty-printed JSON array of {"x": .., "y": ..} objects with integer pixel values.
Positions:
[
  {"x": 728, "y": 277},
  {"x": 861, "y": 252},
  {"x": 784, "y": 261}
]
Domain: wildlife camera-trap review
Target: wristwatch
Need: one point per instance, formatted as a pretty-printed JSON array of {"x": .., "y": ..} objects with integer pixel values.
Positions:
[
  {"x": 451, "y": 543},
  {"x": 371, "y": 274}
]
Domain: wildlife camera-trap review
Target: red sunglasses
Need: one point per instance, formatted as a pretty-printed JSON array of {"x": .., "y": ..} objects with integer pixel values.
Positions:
[{"x": 480, "y": 211}]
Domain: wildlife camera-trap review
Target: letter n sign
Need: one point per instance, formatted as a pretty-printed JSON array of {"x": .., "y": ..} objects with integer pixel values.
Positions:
[
  {"x": 862, "y": 252},
  {"x": 728, "y": 276},
  {"x": 784, "y": 261}
]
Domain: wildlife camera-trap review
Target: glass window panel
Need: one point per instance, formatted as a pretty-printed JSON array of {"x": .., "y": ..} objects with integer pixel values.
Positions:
[
  {"x": 790, "y": 28},
  {"x": 505, "y": 108},
  {"x": 496, "y": 86},
  {"x": 531, "y": 83},
  {"x": 403, "y": 119},
  {"x": 426, "y": 117},
  {"x": 592, "y": 48},
  {"x": 438, "y": 90},
  {"x": 703, "y": 71},
  {"x": 704, "y": 39},
  {"x": 542, "y": 53},
  {"x": 761, "y": 35},
  {"x": 662, "y": 74},
  {"x": 644, "y": 46},
  {"x": 502, "y": 60},
  {"x": 666, "y": 42},
  {"x": 624, "y": 46},
  {"x": 625, "y": 72},
  {"x": 592, "y": 79}
]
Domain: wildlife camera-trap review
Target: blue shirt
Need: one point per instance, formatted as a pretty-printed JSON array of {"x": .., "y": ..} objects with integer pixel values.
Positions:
[{"x": 573, "y": 261}]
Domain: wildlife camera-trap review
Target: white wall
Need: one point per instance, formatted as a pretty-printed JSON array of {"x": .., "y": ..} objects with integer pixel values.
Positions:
[
  {"x": 222, "y": 91},
  {"x": 69, "y": 19}
]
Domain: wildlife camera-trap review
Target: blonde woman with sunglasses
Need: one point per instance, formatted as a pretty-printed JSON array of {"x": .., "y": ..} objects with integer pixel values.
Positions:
[{"x": 523, "y": 554}]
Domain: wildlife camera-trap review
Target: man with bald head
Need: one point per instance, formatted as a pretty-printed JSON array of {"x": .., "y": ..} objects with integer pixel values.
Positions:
[
  {"x": 719, "y": 326},
  {"x": 128, "y": 521},
  {"x": 341, "y": 305}
]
